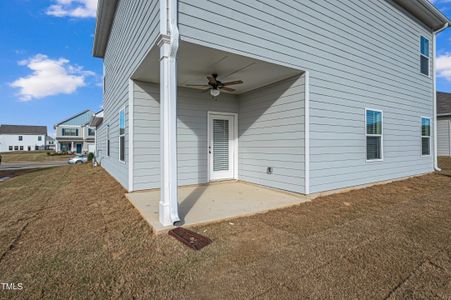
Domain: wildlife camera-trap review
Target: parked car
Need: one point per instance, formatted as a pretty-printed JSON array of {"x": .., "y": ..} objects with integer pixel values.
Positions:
[{"x": 79, "y": 159}]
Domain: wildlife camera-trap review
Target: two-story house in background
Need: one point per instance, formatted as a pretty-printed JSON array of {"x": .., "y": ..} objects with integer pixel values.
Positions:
[
  {"x": 302, "y": 96},
  {"x": 75, "y": 135},
  {"x": 22, "y": 138}
]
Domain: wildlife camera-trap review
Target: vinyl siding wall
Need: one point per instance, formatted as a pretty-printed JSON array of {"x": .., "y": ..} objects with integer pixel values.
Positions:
[
  {"x": 134, "y": 31},
  {"x": 192, "y": 109},
  {"x": 360, "y": 54},
  {"x": 271, "y": 134},
  {"x": 444, "y": 137}
]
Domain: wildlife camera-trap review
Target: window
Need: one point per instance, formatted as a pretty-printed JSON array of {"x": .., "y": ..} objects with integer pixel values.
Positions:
[
  {"x": 39, "y": 138},
  {"x": 424, "y": 56},
  {"x": 122, "y": 135},
  {"x": 69, "y": 131},
  {"x": 21, "y": 148},
  {"x": 108, "y": 140},
  {"x": 425, "y": 136},
  {"x": 36, "y": 148},
  {"x": 16, "y": 148},
  {"x": 91, "y": 132},
  {"x": 373, "y": 135},
  {"x": 10, "y": 148},
  {"x": 20, "y": 138}
]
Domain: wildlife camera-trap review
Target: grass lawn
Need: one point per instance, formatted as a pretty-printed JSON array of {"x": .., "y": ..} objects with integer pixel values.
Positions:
[
  {"x": 69, "y": 232},
  {"x": 32, "y": 156}
]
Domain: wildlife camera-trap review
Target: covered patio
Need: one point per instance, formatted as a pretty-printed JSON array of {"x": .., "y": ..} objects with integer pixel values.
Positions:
[
  {"x": 210, "y": 203},
  {"x": 189, "y": 134}
]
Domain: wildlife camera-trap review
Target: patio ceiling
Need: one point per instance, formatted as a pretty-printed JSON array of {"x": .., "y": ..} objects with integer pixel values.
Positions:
[{"x": 195, "y": 62}]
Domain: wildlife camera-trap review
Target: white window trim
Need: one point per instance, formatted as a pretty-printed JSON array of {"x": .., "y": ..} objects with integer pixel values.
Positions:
[
  {"x": 108, "y": 154},
  {"x": 376, "y": 135},
  {"x": 426, "y": 136},
  {"x": 428, "y": 57},
  {"x": 235, "y": 142},
  {"x": 121, "y": 135}
]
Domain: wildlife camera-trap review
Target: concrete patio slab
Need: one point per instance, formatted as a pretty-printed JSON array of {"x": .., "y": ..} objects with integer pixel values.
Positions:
[{"x": 214, "y": 202}]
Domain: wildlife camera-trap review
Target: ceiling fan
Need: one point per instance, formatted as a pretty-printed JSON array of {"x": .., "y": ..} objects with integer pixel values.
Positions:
[{"x": 215, "y": 86}]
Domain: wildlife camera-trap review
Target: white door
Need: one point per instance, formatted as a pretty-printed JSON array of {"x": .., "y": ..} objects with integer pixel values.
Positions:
[{"x": 221, "y": 146}]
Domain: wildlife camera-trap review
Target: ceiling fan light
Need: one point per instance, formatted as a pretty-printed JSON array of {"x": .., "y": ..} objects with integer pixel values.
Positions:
[{"x": 215, "y": 92}]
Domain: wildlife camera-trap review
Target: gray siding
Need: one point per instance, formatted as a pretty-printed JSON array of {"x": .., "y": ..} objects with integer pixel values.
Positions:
[
  {"x": 192, "y": 108},
  {"x": 100, "y": 142},
  {"x": 271, "y": 134},
  {"x": 359, "y": 54},
  {"x": 443, "y": 137},
  {"x": 134, "y": 30}
]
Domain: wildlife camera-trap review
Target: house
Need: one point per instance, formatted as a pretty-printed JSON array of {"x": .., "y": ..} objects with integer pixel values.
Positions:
[
  {"x": 75, "y": 135},
  {"x": 49, "y": 143},
  {"x": 444, "y": 124},
  {"x": 22, "y": 138},
  {"x": 302, "y": 96}
]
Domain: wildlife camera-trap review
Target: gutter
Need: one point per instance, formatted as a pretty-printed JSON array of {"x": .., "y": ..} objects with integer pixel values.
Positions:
[{"x": 434, "y": 91}]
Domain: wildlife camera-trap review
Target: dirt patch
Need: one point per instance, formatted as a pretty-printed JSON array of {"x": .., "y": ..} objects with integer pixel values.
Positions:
[{"x": 69, "y": 232}]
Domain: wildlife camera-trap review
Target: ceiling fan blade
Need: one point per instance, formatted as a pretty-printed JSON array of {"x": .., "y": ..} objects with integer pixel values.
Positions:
[
  {"x": 198, "y": 85},
  {"x": 227, "y": 89},
  {"x": 233, "y": 82}
]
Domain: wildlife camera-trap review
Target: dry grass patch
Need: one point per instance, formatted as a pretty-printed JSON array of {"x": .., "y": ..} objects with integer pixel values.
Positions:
[{"x": 70, "y": 233}]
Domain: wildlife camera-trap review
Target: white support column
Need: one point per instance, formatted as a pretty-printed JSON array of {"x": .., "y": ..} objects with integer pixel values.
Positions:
[
  {"x": 168, "y": 44},
  {"x": 72, "y": 147}
]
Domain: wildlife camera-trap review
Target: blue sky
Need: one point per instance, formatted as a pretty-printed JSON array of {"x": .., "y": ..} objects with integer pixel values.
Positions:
[{"x": 47, "y": 72}]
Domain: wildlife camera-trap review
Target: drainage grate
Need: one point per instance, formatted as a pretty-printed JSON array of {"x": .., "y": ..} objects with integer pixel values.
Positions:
[{"x": 189, "y": 238}]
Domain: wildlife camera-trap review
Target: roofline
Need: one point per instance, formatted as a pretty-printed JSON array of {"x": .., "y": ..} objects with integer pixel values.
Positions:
[
  {"x": 437, "y": 12},
  {"x": 434, "y": 12},
  {"x": 444, "y": 115},
  {"x": 74, "y": 116},
  {"x": 106, "y": 9}
]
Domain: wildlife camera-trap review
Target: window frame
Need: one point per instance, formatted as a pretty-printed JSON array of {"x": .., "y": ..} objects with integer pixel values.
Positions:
[
  {"x": 20, "y": 138},
  {"x": 39, "y": 138},
  {"x": 374, "y": 135},
  {"x": 121, "y": 135},
  {"x": 108, "y": 140},
  {"x": 427, "y": 57},
  {"x": 64, "y": 129},
  {"x": 426, "y": 136}
]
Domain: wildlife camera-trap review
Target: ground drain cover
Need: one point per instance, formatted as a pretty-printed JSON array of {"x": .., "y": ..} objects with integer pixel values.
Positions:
[{"x": 189, "y": 238}]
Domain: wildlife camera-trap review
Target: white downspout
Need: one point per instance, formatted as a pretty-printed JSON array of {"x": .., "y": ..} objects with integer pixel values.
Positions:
[
  {"x": 307, "y": 133},
  {"x": 434, "y": 91},
  {"x": 169, "y": 44}
]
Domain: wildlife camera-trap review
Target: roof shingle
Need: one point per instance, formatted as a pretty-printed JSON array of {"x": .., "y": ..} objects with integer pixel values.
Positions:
[
  {"x": 23, "y": 129},
  {"x": 443, "y": 103}
]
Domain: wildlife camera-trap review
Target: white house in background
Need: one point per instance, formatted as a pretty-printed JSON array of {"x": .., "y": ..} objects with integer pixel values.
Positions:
[
  {"x": 444, "y": 124},
  {"x": 75, "y": 135},
  {"x": 50, "y": 143},
  {"x": 22, "y": 138}
]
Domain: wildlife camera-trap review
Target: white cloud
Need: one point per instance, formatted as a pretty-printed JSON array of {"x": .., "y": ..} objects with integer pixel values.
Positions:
[
  {"x": 443, "y": 65},
  {"x": 73, "y": 8},
  {"x": 49, "y": 77}
]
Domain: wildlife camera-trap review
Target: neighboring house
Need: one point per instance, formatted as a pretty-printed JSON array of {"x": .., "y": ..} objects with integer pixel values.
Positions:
[
  {"x": 324, "y": 95},
  {"x": 22, "y": 138},
  {"x": 75, "y": 135},
  {"x": 96, "y": 121},
  {"x": 50, "y": 143},
  {"x": 444, "y": 124}
]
